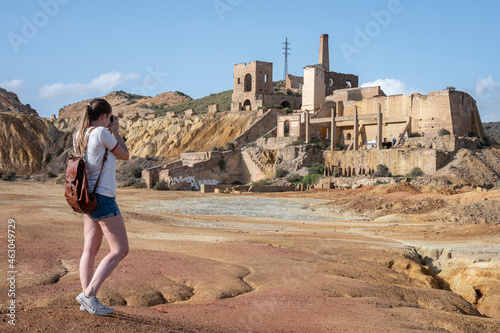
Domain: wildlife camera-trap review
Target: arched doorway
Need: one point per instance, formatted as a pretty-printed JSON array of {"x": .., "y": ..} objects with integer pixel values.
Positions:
[
  {"x": 248, "y": 83},
  {"x": 286, "y": 104},
  {"x": 287, "y": 128},
  {"x": 246, "y": 104}
]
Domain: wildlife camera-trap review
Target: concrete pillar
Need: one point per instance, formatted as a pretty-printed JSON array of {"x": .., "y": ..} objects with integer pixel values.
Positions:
[
  {"x": 324, "y": 56},
  {"x": 356, "y": 134},
  {"x": 308, "y": 132},
  {"x": 333, "y": 131},
  {"x": 379, "y": 127}
]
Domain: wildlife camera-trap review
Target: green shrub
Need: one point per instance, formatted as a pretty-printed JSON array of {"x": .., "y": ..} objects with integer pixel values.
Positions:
[
  {"x": 179, "y": 93},
  {"x": 250, "y": 144},
  {"x": 443, "y": 131},
  {"x": 316, "y": 169},
  {"x": 215, "y": 149},
  {"x": 293, "y": 178},
  {"x": 189, "y": 151},
  {"x": 268, "y": 135},
  {"x": 321, "y": 145},
  {"x": 51, "y": 174},
  {"x": 297, "y": 143},
  {"x": 221, "y": 148},
  {"x": 338, "y": 147},
  {"x": 380, "y": 182},
  {"x": 310, "y": 179},
  {"x": 161, "y": 186},
  {"x": 419, "y": 145},
  {"x": 8, "y": 176},
  {"x": 136, "y": 172},
  {"x": 452, "y": 88},
  {"x": 280, "y": 172},
  {"x": 288, "y": 110},
  {"x": 230, "y": 146},
  {"x": 416, "y": 172},
  {"x": 261, "y": 182},
  {"x": 222, "y": 165},
  {"x": 414, "y": 135},
  {"x": 140, "y": 184},
  {"x": 382, "y": 171}
]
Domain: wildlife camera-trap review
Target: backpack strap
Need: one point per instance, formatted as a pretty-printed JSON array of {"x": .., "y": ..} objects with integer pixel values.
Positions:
[
  {"x": 102, "y": 166},
  {"x": 103, "y": 159}
]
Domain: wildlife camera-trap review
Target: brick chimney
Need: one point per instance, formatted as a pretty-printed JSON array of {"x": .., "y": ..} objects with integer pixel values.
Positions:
[{"x": 324, "y": 56}]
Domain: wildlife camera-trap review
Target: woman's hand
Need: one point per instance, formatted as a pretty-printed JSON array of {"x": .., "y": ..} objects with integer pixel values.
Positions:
[{"x": 113, "y": 124}]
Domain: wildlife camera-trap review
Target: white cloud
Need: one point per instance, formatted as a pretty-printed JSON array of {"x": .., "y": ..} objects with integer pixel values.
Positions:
[
  {"x": 104, "y": 83},
  {"x": 12, "y": 85},
  {"x": 487, "y": 94},
  {"x": 393, "y": 87},
  {"x": 487, "y": 88}
]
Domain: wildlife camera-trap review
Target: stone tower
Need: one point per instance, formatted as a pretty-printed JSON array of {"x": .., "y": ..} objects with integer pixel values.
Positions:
[{"x": 324, "y": 56}]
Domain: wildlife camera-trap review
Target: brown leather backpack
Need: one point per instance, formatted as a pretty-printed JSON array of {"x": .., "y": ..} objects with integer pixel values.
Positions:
[{"x": 77, "y": 191}]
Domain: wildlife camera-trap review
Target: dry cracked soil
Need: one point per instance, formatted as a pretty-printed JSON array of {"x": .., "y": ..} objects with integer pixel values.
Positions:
[{"x": 317, "y": 261}]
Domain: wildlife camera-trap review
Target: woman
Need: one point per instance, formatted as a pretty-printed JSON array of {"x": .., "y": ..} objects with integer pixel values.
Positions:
[{"x": 105, "y": 219}]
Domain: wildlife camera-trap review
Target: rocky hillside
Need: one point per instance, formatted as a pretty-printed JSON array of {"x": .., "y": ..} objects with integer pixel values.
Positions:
[
  {"x": 31, "y": 144},
  {"x": 493, "y": 130},
  {"x": 130, "y": 104},
  {"x": 9, "y": 102}
]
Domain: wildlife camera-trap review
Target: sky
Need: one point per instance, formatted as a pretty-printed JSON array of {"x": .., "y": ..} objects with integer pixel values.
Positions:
[{"x": 58, "y": 52}]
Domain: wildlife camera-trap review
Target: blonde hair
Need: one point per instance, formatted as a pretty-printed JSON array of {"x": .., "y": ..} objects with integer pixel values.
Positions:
[{"x": 92, "y": 111}]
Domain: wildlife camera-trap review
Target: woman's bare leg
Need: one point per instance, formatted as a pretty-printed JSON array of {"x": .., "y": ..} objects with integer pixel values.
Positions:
[
  {"x": 114, "y": 231},
  {"x": 92, "y": 241}
]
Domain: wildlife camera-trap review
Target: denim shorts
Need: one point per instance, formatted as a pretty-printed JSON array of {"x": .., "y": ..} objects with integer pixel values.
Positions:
[{"x": 106, "y": 207}]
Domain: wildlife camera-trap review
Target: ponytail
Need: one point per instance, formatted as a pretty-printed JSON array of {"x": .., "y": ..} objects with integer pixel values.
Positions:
[{"x": 91, "y": 112}]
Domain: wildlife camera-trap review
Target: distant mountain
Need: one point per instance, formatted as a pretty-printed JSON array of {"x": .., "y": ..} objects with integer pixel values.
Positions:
[
  {"x": 130, "y": 104},
  {"x": 493, "y": 130},
  {"x": 9, "y": 102},
  {"x": 200, "y": 105}
]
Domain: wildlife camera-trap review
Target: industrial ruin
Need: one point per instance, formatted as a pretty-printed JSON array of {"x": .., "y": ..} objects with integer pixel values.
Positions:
[{"x": 363, "y": 127}]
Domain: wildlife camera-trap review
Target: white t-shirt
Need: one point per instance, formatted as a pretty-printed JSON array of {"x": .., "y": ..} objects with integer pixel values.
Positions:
[{"x": 99, "y": 140}]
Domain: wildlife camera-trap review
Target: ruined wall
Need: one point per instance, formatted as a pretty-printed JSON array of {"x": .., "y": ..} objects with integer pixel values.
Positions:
[
  {"x": 399, "y": 161},
  {"x": 452, "y": 110},
  {"x": 334, "y": 81},
  {"x": 465, "y": 115},
  {"x": 355, "y": 94},
  {"x": 187, "y": 177},
  {"x": 275, "y": 143},
  {"x": 293, "y": 82},
  {"x": 291, "y": 101}
]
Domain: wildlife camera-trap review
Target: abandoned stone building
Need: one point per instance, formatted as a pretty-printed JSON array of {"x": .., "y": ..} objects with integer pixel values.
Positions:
[
  {"x": 363, "y": 126},
  {"x": 253, "y": 89}
]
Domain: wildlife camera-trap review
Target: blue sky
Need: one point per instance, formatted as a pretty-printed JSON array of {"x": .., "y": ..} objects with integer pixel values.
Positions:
[{"x": 57, "y": 52}]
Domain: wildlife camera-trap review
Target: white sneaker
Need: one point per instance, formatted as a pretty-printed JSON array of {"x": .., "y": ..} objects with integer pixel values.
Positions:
[
  {"x": 93, "y": 305},
  {"x": 108, "y": 309}
]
